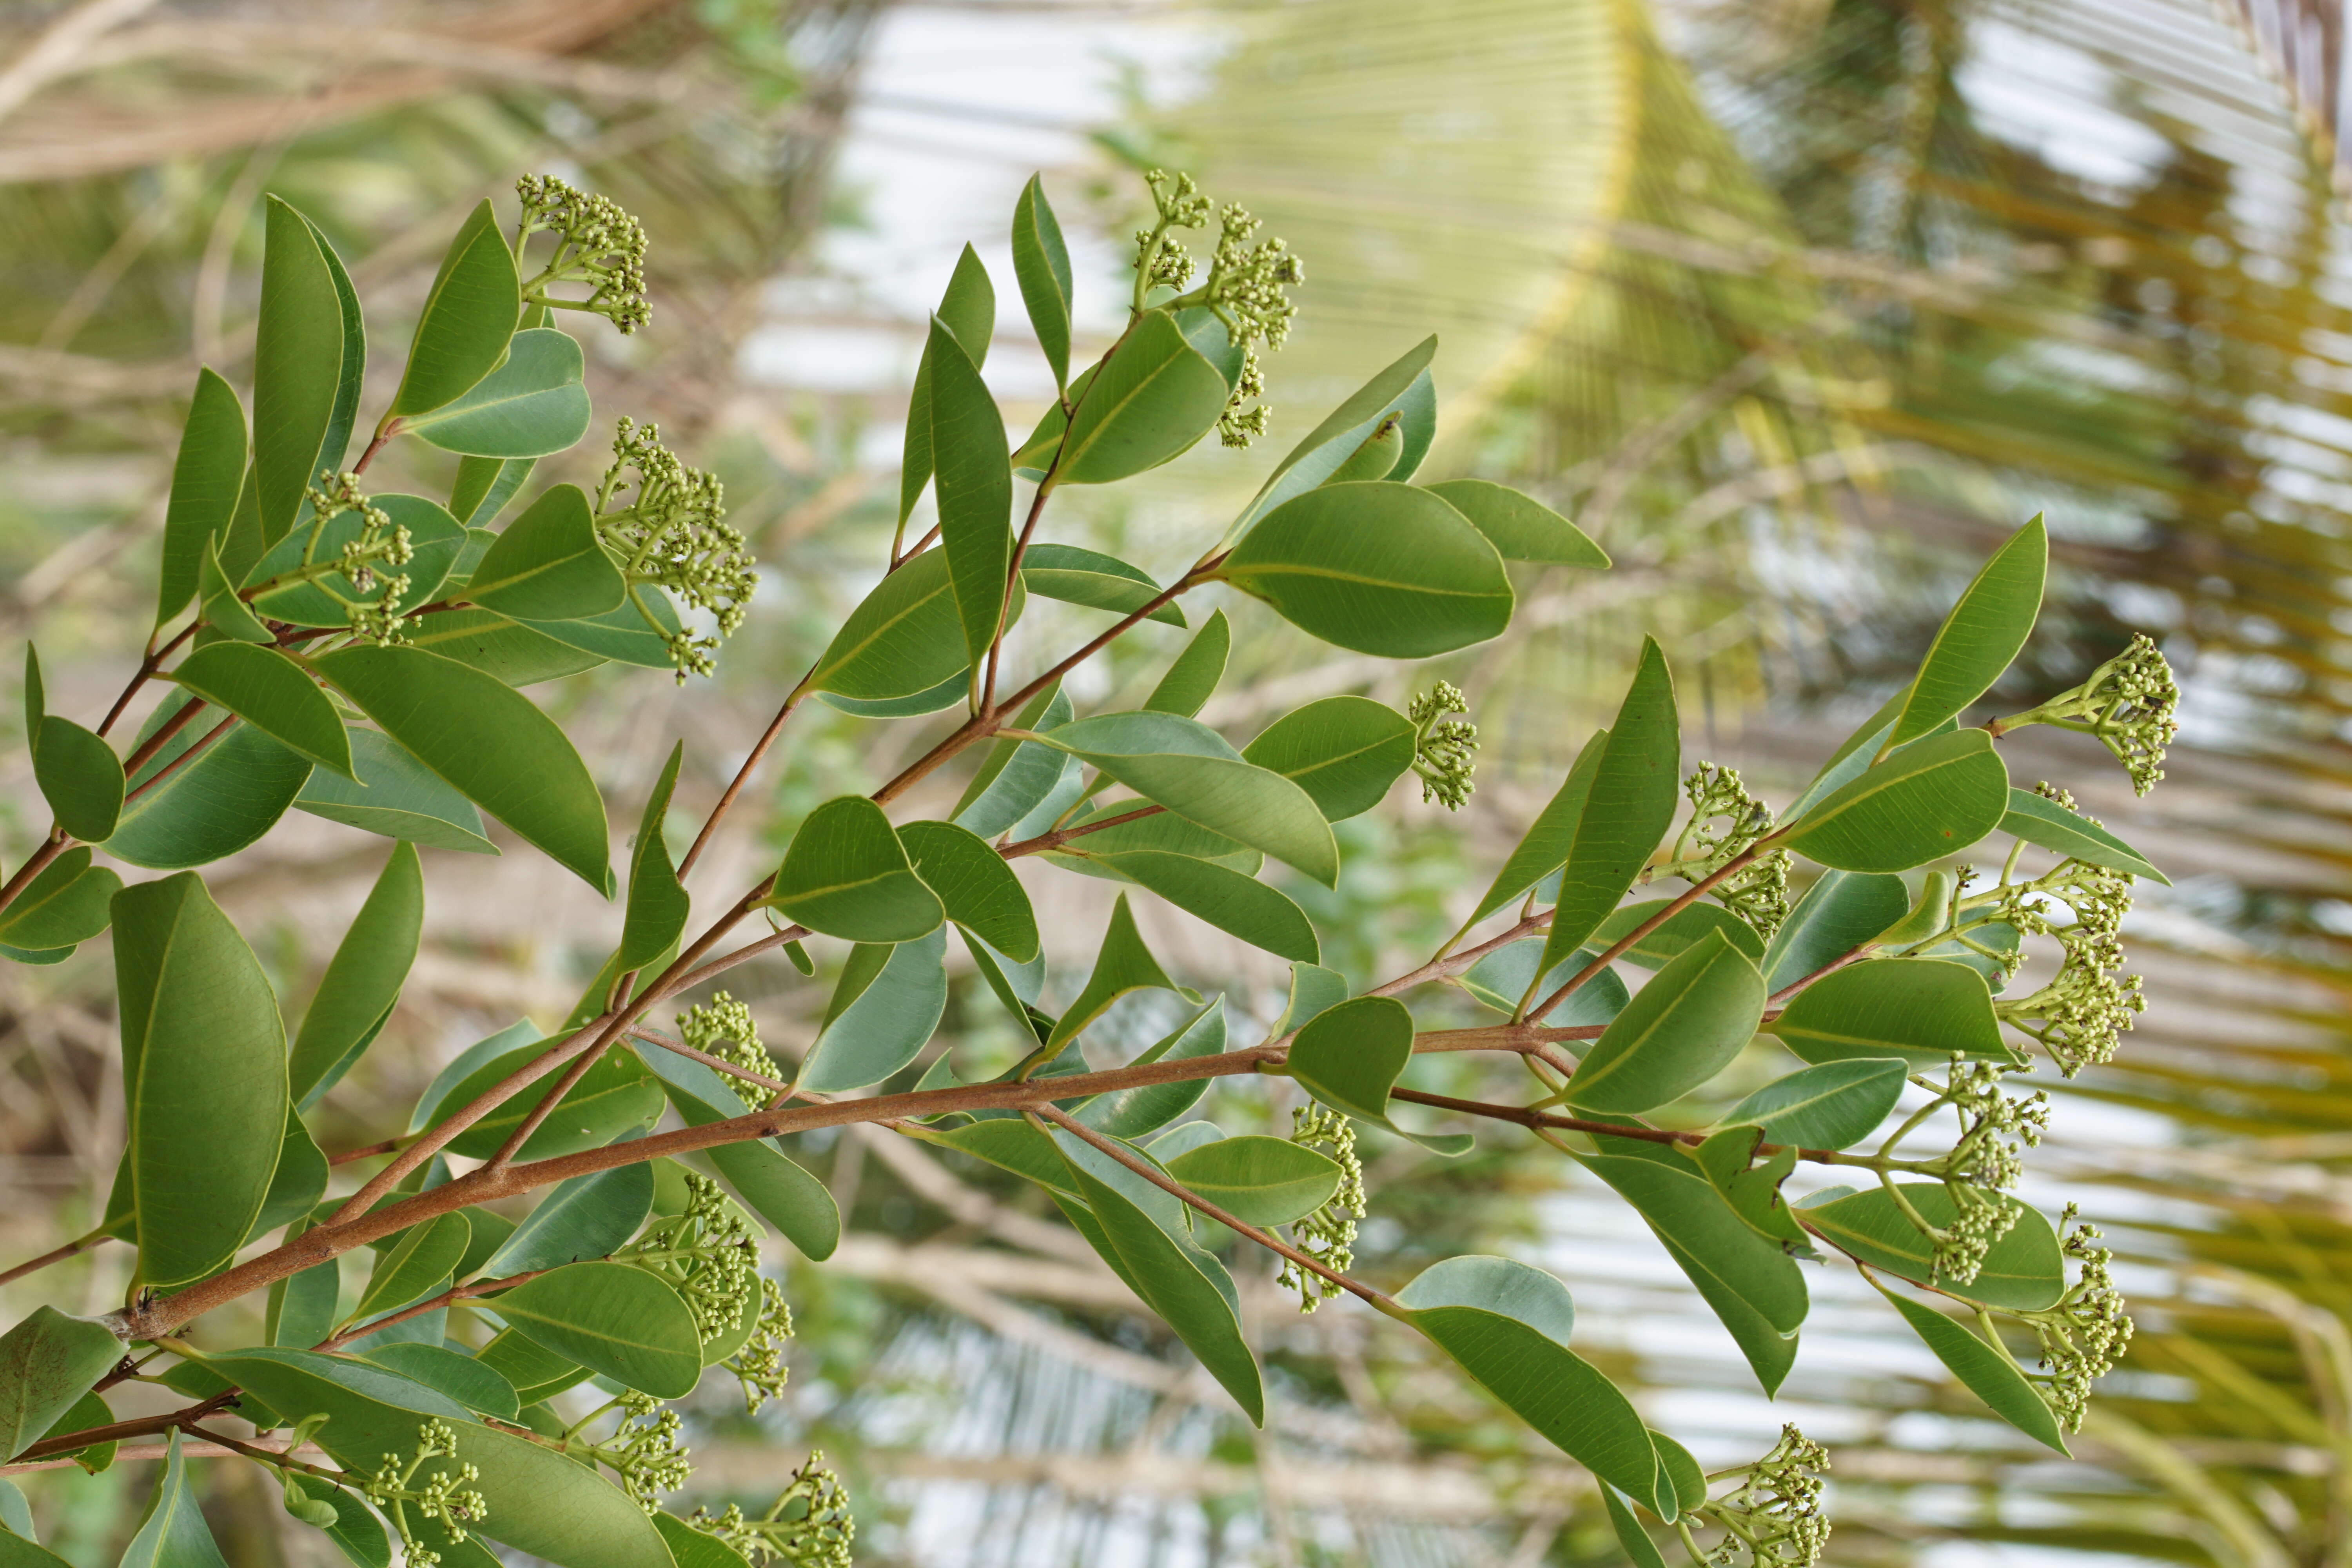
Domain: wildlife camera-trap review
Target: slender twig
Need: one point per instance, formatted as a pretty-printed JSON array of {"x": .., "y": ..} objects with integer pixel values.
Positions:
[
  {"x": 129, "y": 1452},
  {"x": 337, "y": 1341},
  {"x": 1062, "y": 836},
  {"x": 73, "y": 1248},
  {"x": 1526, "y": 1116},
  {"x": 742, "y": 776},
  {"x": 194, "y": 750},
  {"x": 350, "y": 1155},
  {"x": 1624, "y": 945},
  {"x": 142, "y": 1426},
  {"x": 1012, "y": 576},
  {"x": 715, "y": 1064}
]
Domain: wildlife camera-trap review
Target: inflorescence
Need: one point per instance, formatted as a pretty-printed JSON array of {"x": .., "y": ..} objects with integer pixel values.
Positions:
[
  {"x": 760, "y": 1365},
  {"x": 723, "y": 1027},
  {"x": 1982, "y": 1165},
  {"x": 394, "y": 1488},
  {"x": 1444, "y": 749},
  {"x": 673, "y": 533},
  {"x": 369, "y": 560},
  {"x": 1328, "y": 1235},
  {"x": 596, "y": 244},
  {"x": 1725, "y": 822},
  {"x": 708, "y": 1254},
  {"x": 2080, "y": 1015},
  {"x": 1775, "y": 1513},
  {"x": 1244, "y": 287},
  {"x": 2131, "y": 703},
  {"x": 2085, "y": 1333},
  {"x": 808, "y": 1526}
]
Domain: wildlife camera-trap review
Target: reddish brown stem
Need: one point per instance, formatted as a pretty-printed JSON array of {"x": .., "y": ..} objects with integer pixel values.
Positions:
[
  {"x": 431, "y": 1304},
  {"x": 184, "y": 759},
  {"x": 742, "y": 776},
  {"x": 1062, "y": 836},
  {"x": 1012, "y": 576},
  {"x": 73, "y": 1248},
  {"x": 1624, "y": 945},
  {"x": 350, "y": 1156},
  {"x": 1527, "y": 1117}
]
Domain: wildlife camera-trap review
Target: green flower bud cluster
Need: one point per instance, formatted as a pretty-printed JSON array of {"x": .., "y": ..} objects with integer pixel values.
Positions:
[
  {"x": 2087, "y": 1332},
  {"x": 1774, "y": 1515},
  {"x": 723, "y": 1027},
  {"x": 1724, "y": 822},
  {"x": 1444, "y": 749},
  {"x": 644, "y": 1452},
  {"x": 2081, "y": 1015},
  {"x": 1237, "y": 428},
  {"x": 1244, "y": 287},
  {"x": 377, "y": 546},
  {"x": 760, "y": 1365},
  {"x": 2132, "y": 703},
  {"x": 596, "y": 244},
  {"x": 808, "y": 1526},
  {"x": 709, "y": 1255},
  {"x": 1328, "y": 1235},
  {"x": 394, "y": 1487},
  {"x": 673, "y": 533}
]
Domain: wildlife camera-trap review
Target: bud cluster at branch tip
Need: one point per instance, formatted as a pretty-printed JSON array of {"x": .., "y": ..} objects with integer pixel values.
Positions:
[
  {"x": 1244, "y": 287},
  {"x": 709, "y": 1255},
  {"x": 673, "y": 533},
  {"x": 364, "y": 559},
  {"x": 723, "y": 1027},
  {"x": 1328, "y": 1235},
  {"x": 2132, "y": 704},
  {"x": 596, "y": 244},
  {"x": 1444, "y": 749},
  {"x": 1775, "y": 1513},
  {"x": 1725, "y": 822},
  {"x": 394, "y": 1488},
  {"x": 808, "y": 1526}
]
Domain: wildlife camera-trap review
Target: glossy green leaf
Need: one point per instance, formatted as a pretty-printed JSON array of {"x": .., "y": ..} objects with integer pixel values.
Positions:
[
  {"x": 1240, "y": 906},
  {"x": 905, "y": 638},
  {"x": 206, "y": 476},
  {"x": 1344, "y": 751},
  {"x": 1840, "y": 912},
  {"x": 218, "y": 601},
  {"x": 396, "y": 796},
  {"x": 1933, "y": 798},
  {"x": 484, "y": 487},
  {"x": 1502, "y": 978},
  {"x": 470, "y": 313},
  {"x": 1627, "y": 808},
  {"x": 1342, "y": 431},
  {"x": 299, "y": 1311},
  {"x": 967, "y": 310},
  {"x": 1544, "y": 847},
  {"x": 1375, "y": 456},
  {"x": 768, "y": 1182},
  {"x": 84, "y": 1414},
  {"x": 416, "y": 1265},
  {"x": 1149, "y": 401},
  {"x": 1132, "y": 1113},
  {"x": 507, "y": 650},
  {"x": 363, "y": 979},
  {"x": 846, "y": 874},
  {"x": 1259, "y": 1179},
  {"x": 453, "y": 1373},
  {"x": 297, "y": 1184},
  {"x": 1923, "y": 1010},
  {"x": 68, "y": 902},
  {"x": 1193, "y": 675},
  {"x": 974, "y": 489},
  {"x": 634, "y": 633},
  {"x": 1834, "y": 1106},
  {"x": 1150, "y": 1243},
  {"x": 613, "y": 1319},
  {"x": 2022, "y": 1270},
  {"x": 2052, "y": 826},
  {"x": 1681, "y": 1471},
  {"x": 1507, "y": 1326},
  {"x": 1983, "y": 1370},
  {"x": 1348, "y": 1056},
  {"x": 1979, "y": 640},
  {"x": 1377, "y": 567},
  {"x": 78, "y": 772},
  {"x": 615, "y": 1097},
  {"x": 1520, "y": 526},
  {"x": 172, "y": 1531},
  {"x": 488, "y": 740},
  {"x": 532, "y": 405},
  {"x": 1192, "y": 771},
  {"x": 955, "y": 688},
  {"x": 690, "y": 1548},
  {"x": 535, "y": 1374},
  {"x": 222, "y": 800},
  {"x": 1730, "y": 1258},
  {"x": 975, "y": 885},
  {"x": 1080, "y": 576},
  {"x": 885, "y": 1009},
  {"x": 1121, "y": 964},
  {"x": 299, "y": 347},
  {"x": 583, "y": 1218},
  {"x": 46, "y": 1363},
  {"x": 1682, "y": 932},
  {"x": 1678, "y": 1032},
  {"x": 203, "y": 1072},
  {"x": 271, "y": 693},
  {"x": 1639, "y": 1547},
  {"x": 658, "y": 905},
  {"x": 1160, "y": 831},
  {"x": 468, "y": 1061},
  {"x": 1041, "y": 264},
  {"x": 549, "y": 565}
]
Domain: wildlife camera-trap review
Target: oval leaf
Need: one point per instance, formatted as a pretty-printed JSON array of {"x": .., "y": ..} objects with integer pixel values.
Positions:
[
  {"x": 70, "y": 902},
  {"x": 583, "y": 1218},
  {"x": 81, "y": 777},
  {"x": 904, "y": 638},
  {"x": 298, "y": 367},
  {"x": 1933, "y": 798},
  {"x": 470, "y": 313},
  {"x": 1838, "y": 913},
  {"x": 883, "y": 1011},
  {"x": 1264, "y": 1181},
  {"x": 549, "y": 565},
  {"x": 1626, "y": 809},
  {"x": 46, "y": 1363},
  {"x": 1344, "y": 751},
  {"x": 396, "y": 796},
  {"x": 415, "y": 1264},
  {"x": 363, "y": 980},
  {"x": 1678, "y": 1032},
  {"x": 223, "y": 799},
  {"x": 612, "y": 1319},
  {"x": 1193, "y": 676},
  {"x": 1520, "y": 526},
  {"x": 974, "y": 489},
  {"x": 529, "y": 406},
  {"x": 1041, "y": 264},
  {"x": 1834, "y": 1106},
  {"x": 978, "y": 889},
  {"x": 1981, "y": 635},
  {"x": 1349, "y": 1057},
  {"x": 1342, "y": 432},
  {"x": 1983, "y": 1371},
  {"x": 1242, "y": 906},
  {"x": 2024, "y": 1270},
  {"x": 1149, "y": 401},
  {"x": 2052, "y": 826},
  {"x": 206, "y": 477},
  {"x": 271, "y": 693},
  {"x": 846, "y": 873},
  {"x": 1923, "y": 1010},
  {"x": 1089, "y": 577}
]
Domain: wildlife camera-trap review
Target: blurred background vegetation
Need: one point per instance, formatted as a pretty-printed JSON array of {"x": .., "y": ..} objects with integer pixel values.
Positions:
[{"x": 1797, "y": 304}]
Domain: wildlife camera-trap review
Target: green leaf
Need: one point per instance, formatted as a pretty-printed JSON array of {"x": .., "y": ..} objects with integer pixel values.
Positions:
[
  {"x": 1193, "y": 676},
  {"x": 955, "y": 688},
  {"x": 967, "y": 310},
  {"x": 1350, "y": 1055},
  {"x": 904, "y": 638},
  {"x": 658, "y": 905},
  {"x": 548, "y": 1505},
  {"x": 549, "y": 565},
  {"x": 271, "y": 693},
  {"x": 1132, "y": 1113},
  {"x": 1344, "y": 751},
  {"x": 1150, "y": 1243},
  {"x": 532, "y": 405},
  {"x": 1681, "y": 1471},
  {"x": 615, "y": 1097},
  {"x": 417, "y": 1264},
  {"x": 613, "y": 1319},
  {"x": 1840, "y": 912},
  {"x": 68, "y": 902},
  {"x": 1979, "y": 640},
  {"x": 206, "y": 477},
  {"x": 2052, "y": 826},
  {"x": 1242, "y": 906},
  {"x": 1152, "y": 398},
  {"x": 975, "y": 885},
  {"x": 435, "y": 537},
  {"x": 1923, "y": 1010},
  {"x": 396, "y": 796},
  {"x": 846, "y": 874},
  {"x": 81, "y": 777},
  {"x": 2024, "y": 1270},
  {"x": 299, "y": 346},
  {"x": 1688, "y": 926},
  {"x": 1678, "y": 1032},
  {"x": 1544, "y": 847},
  {"x": 1161, "y": 832},
  {"x": 1630, "y": 1533},
  {"x": 220, "y": 606},
  {"x": 1731, "y": 1258},
  {"x": 974, "y": 489},
  {"x": 584, "y": 1217},
  {"x": 203, "y": 1073},
  {"x": 1261, "y": 1181},
  {"x": 224, "y": 799},
  {"x": 470, "y": 313},
  {"x": 297, "y": 1184},
  {"x": 300, "y": 1310},
  {"x": 1040, "y": 263},
  {"x": 690, "y": 1548},
  {"x": 1834, "y": 1106},
  {"x": 488, "y": 740},
  {"x": 630, "y": 634},
  {"x": 782, "y": 1194},
  {"x": 1503, "y": 977},
  {"x": 1520, "y": 526},
  {"x": 534, "y": 1373},
  {"x": 1933, "y": 798},
  {"x": 1192, "y": 771},
  {"x": 484, "y": 487},
  {"x": 468, "y": 1061},
  {"x": 1377, "y": 567},
  {"x": 883, "y": 1011},
  {"x": 1627, "y": 808},
  {"x": 46, "y": 1363},
  {"x": 1314, "y": 990},
  {"x": 1343, "y": 430},
  {"x": 173, "y": 1532},
  {"x": 453, "y": 1373},
  {"x": 1079, "y": 576},
  {"x": 1121, "y": 964},
  {"x": 1983, "y": 1370},
  {"x": 1507, "y": 1326}
]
